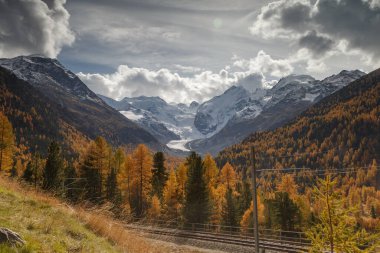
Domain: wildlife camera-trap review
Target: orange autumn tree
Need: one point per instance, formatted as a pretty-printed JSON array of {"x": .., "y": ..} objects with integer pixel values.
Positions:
[
  {"x": 211, "y": 171},
  {"x": 6, "y": 143},
  {"x": 125, "y": 177},
  {"x": 228, "y": 176},
  {"x": 181, "y": 181},
  {"x": 142, "y": 179},
  {"x": 170, "y": 197}
]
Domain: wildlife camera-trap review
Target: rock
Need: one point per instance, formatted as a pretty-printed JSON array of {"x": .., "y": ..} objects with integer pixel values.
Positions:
[{"x": 7, "y": 236}]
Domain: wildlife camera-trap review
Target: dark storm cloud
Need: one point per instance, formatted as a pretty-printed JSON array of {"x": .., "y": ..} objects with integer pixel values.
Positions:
[
  {"x": 318, "y": 44},
  {"x": 33, "y": 26},
  {"x": 356, "y": 21}
]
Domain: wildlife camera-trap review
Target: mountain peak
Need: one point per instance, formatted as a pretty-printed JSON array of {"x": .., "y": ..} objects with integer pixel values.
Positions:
[{"x": 48, "y": 75}]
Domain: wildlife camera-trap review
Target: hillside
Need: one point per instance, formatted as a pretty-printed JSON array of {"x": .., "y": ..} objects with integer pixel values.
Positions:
[
  {"x": 341, "y": 130},
  {"x": 45, "y": 227},
  {"x": 44, "y": 101},
  {"x": 267, "y": 110}
]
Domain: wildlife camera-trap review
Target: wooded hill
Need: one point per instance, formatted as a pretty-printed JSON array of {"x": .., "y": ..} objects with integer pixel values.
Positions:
[
  {"x": 340, "y": 131},
  {"x": 40, "y": 114}
]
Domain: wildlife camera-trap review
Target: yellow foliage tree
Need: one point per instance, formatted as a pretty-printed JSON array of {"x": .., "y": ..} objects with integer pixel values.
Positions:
[
  {"x": 288, "y": 185},
  {"x": 6, "y": 143},
  {"x": 228, "y": 176},
  {"x": 181, "y": 181},
  {"x": 154, "y": 211},
  {"x": 125, "y": 177},
  {"x": 143, "y": 161},
  {"x": 170, "y": 197},
  {"x": 247, "y": 219},
  {"x": 211, "y": 171}
]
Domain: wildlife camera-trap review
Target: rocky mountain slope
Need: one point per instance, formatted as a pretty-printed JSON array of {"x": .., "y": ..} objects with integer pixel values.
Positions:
[
  {"x": 45, "y": 101},
  {"x": 263, "y": 110},
  {"x": 339, "y": 131}
]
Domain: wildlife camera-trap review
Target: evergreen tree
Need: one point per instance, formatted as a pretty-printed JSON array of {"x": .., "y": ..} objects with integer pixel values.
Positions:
[
  {"x": 286, "y": 213},
  {"x": 54, "y": 168},
  {"x": 111, "y": 186},
  {"x": 6, "y": 144},
  {"x": 160, "y": 175},
  {"x": 229, "y": 213},
  {"x": 197, "y": 205},
  {"x": 90, "y": 174},
  {"x": 28, "y": 173},
  {"x": 244, "y": 198},
  {"x": 71, "y": 183}
]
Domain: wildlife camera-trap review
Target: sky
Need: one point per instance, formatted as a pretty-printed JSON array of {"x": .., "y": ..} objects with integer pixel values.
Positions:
[{"x": 186, "y": 50}]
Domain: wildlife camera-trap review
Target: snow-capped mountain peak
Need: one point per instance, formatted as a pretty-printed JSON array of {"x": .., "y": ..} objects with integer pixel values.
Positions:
[{"x": 43, "y": 72}]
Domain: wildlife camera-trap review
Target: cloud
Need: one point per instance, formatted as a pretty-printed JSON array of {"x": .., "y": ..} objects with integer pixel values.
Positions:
[
  {"x": 318, "y": 44},
  {"x": 128, "y": 81},
  {"x": 316, "y": 25},
  {"x": 34, "y": 26}
]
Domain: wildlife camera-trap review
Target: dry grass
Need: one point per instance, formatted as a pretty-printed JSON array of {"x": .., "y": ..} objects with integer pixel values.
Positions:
[{"x": 98, "y": 221}]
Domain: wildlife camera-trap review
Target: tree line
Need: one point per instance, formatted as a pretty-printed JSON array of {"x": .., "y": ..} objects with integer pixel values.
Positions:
[{"x": 140, "y": 183}]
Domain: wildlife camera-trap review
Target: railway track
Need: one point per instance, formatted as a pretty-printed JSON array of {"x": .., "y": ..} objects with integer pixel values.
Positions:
[{"x": 265, "y": 243}]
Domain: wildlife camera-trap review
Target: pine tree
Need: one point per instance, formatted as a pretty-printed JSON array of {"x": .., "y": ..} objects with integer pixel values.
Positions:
[
  {"x": 197, "y": 205},
  {"x": 54, "y": 169},
  {"x": 160, "y": 175},
  {"x": 6, "y": 144},
  {"x": 143, "y": 176},
  {"x": 111, "y": 186},
  {"x": 229, "y": 213},
  {"x": 170, "y": 197},
  {"x": 28, "y": 173},
  {"x": 286, "y": 214},
  {"x": 71, "y": 183},
  {"x": 90, "y": 174}
]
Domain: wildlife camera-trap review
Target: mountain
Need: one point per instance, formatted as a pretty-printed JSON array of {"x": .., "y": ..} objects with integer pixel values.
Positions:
[
  {"x": 172, "y": 124},
  {"x": 340, "y": 130},
  {"x": 237, "y": 113},
  {"x": 45, "y": 101}
]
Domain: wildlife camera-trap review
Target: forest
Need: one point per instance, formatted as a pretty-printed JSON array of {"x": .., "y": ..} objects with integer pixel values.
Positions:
[{"x": 139, "y": 183}]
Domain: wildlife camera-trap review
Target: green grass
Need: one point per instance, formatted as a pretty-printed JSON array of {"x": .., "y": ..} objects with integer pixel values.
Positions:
[{"x": 46, "y": 228}]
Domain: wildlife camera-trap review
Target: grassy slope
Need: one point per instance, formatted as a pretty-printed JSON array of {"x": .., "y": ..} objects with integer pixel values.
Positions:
[
  {"x": 44, "y": 227},
  {"x": 49, "y": 225}
]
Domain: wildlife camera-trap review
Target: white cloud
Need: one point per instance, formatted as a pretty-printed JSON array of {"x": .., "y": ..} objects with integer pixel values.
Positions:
[
  {"x": 131, "y": 82},
  {"x": 322, "y": 26},
  {"x": 34, "y": 26}
]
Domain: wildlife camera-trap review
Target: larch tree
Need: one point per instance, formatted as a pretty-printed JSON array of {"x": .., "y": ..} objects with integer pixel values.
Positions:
[
  {"x": 125, "y": 178},
  {"x": 154, "y": 210},
  {"x": 336, "y": 229},
  {"x": 53, "y": 174},
  {"x": 119, "y": 159},
  {"x": 7, "y": 141},
  {"x": 181, "y": 181},
  {"x": 288, "y": 185},
  {"x": 228, "y": 176},
  {"x": 211, "y": 171},
  {"x": 197, "y": 201},
  {"x": 171, "y": 204},
  {"x": 160, "y": 174},
  {"x": 143, "y": 178}
]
